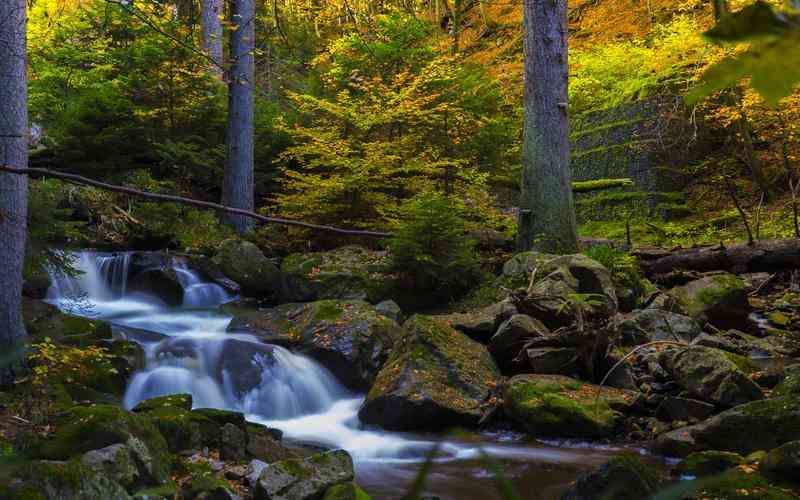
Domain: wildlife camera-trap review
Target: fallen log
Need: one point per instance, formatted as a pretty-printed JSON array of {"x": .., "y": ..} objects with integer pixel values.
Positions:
[{"x": 761, "y": 256}]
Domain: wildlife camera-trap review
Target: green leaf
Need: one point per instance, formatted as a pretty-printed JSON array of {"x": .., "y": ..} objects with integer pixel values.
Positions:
[
  {"x": 752, "y": 22},
  {"x": 773, "y": 66}
]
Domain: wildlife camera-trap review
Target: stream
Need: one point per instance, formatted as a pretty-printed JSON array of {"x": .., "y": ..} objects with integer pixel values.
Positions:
[{"x": 189, "y": 351}]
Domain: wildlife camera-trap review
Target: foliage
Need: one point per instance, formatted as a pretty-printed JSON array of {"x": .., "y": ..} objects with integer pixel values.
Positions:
[
  {"x": 624, "y": 267},
  {"x": 430, "y": 244}
]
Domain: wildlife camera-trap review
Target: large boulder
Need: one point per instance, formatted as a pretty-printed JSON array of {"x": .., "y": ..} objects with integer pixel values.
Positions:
[
  {"x": 347, "y": 336},
  {"x": 245, "y": 264},
  {"x": 162, "y": 283},
  {"x": 624, "y": 477},
  {"x": 71, "y": 480},
  {"x": 648, "y": 325},
  {"x": 304, "y": 479},
  {"x": 783, "y": 462},
  {"x": 507, "y": 345},
  {"x": 117, "y": 462},
  {"x": 559, "y": 406},
  {"x": 350, "y": 272},
  {"x": 521, "y": 265},
  {"x": 481, "y": 324},
  {"x": 720, "y": 299},
  {"x": 84, "y": 429},
  {"x": 710, "y": 375},
  {"x": 558, "y": 286},
  {"x": 743, "y": 429},
  {"x": 434, "y": 378}
]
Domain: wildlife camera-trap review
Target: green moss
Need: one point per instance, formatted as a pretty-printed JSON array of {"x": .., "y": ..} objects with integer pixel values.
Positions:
[
  {"x": 327, "y": 310},
  {"x": 725, "y": 284},
  {"x": 744, "y": 364},
  {"x": 183, "y": 401},
  {"x": 736, "y": 485},
  {"x": 346, "y": 491},
  {"x": 202, "y": 479},
  {"x": 706, "y": 463}
]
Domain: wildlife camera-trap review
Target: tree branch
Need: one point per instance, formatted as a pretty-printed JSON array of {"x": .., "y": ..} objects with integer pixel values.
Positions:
[{"x": 166, "y": 198}]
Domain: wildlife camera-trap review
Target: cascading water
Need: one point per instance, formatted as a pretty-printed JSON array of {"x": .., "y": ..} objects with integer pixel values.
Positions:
[{"x": 189, "y": 351}]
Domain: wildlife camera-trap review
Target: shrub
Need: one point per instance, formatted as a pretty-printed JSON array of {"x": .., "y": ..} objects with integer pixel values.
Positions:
[
  {"x": 430, "y": 246},
  {"x": 624, "y": 267}
]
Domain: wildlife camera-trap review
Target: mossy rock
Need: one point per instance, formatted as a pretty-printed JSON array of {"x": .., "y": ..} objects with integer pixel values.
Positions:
[
  {"x": 93, "y": 427},
  {"x": 348, "y": 272},
  {"x": 720, "y": 299},
  {"x": 203, "y": 483},
  {"x": 709, "y": 463},
  {"x": 46, "y": 320},
  {"x": 184, "y": 429},
  {"x": 434, "y": 378},
  {"x": 304, "y": 479},
  {"x": 624, "y": 477},
  {"x": 735, "y": 485},
  {"x": 180, "y": 401},
  {"x": 45, "y": 480},
  {"x": 790, "y": 386},
  {"x": 349, "y": 337},
  {"x": 746, "y": 428},
  {"x": 559, "y": 406},
  {"x": 346, "y": 491},
  {"x": 783, "y": 462},
  {"x": 245, "y": 264}
]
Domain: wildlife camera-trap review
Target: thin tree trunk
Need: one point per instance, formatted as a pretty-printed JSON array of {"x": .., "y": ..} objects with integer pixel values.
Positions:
[
  {"x": 237, "y": 189},
  {"x": 13, "y": 188},
  {"x": 546, "y": 212},
  {"x": 212, "y": 34}
]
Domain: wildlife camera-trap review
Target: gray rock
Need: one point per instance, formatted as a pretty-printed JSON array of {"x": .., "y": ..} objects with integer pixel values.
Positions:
[
  {"x": 524, "y": 263},
  {"x": 648, "y": 325},
  {"x": 304, "y": 479},
  {"x": 710, "y": 375},
  {"x": 115, "y": 462},
  {"x": 244, "y": 263},
  {"x": 716, "y": 342},
  {"x": 553, "y": 360},
  {"x": 254, "y": 470},
  {"x": 65, "y": 481},
  {"x": 233, "y": 442},
  {"x": 625, "y": 477},
  {"x": 482, "y": 324},
  {"x": 783, "y": 462},
  {"x": 507, "y": 344},
  {"x": 683, "y": 409},
  {"x": 390, "y": 309},
  {"x": 720, "y": 299}
]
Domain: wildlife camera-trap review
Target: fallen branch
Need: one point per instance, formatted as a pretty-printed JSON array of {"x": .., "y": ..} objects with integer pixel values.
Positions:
[{"x": 166, "y": 198}]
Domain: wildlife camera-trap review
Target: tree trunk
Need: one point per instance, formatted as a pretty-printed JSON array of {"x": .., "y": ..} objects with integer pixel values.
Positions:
[
  {"x": 212, "y": 34},
  {"x": 546, "y": 213},
  {"x": 237, "y": 189},
  {"x": 13, "y": 188}
]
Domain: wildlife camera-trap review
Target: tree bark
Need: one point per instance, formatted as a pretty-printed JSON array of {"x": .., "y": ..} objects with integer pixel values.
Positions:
[
  {"x": 237, "y": 189},
  {"x": 546, "y": 215},
  {"x": 212, "y": 34},
  {"x": 13, "y": 188}
]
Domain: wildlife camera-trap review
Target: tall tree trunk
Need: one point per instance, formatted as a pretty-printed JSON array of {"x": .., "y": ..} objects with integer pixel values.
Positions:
[
  {"x": 212, "y": 34},
  {"x": 237, "y": 189},
  {"x": 546, "y": 212},
  {"x": 13, "y": 188}
]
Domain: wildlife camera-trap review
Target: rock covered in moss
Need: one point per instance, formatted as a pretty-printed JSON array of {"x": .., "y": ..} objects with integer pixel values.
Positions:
[
  {"x": 559, "y": 406},
  {"x": 720, "y": 299},
  {"x": 783, "y": 462},
  {"x": 204, "y": 484},
  {"x": 46, "y": 320},
  {"x": 521, "y": 265},
  {"x": 117, "y": 462},
  {"x": 245, "y": 264},
  {"x": 434, "y": 378},
  {"x": 507, "y": 345},
  {"x": 790, "y": 385},
  {"x": 625, "y": 477},
  {"x": 70, "y": 480},
  {"x": 304, "y": 479},
  {"x": 735, "y": 484},
  {"x": 83, "y": 429},
  {"x": 709, "y": 463},
  {"x": 347, "y": 336},
  {"x": 348, "y": 273},
  {"x": 746, "y": 428},
  {"x": 674, "y": 408},
  {"x": 346, "y": 491},
  {"x": 711, "y": 375},
  {"x": 648, "y": 325}
]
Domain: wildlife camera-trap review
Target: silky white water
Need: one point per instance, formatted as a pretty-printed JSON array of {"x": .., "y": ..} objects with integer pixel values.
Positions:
[{"x": 189, "y": 351}]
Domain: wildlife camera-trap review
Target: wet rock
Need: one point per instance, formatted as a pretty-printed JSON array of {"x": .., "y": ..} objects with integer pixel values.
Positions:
[
  {"x": 783, "y": 462},
  {"x": 434, "y": 378},
  {"x": 245, "y": 264},
  {"x": 304, "y": 479},
  {"x": 212, "y": 272},
  {"x": 63, "y": 481},
  {"x": 709, "y": 463},
  {"x": 710, "y": 375},
  {"x": 624, "y": 477},
  {"x": 481, "y": 325},
  {"x": 46, "y": 320},
  {"x": 346, "y": 491},
  {"x": 507, "y": 345},
  {"x": 233, "y": 442},
  {"x": 743, "y": 429},
  {"x": 720, "y": 299},
  {"x": 162, "y": 283},
  {"x": 264, "y": 444},
  {"x": 390, "y": 309},
  {"x": 347, "y": 336},
  {"x": 117, "y": 462},
  {"x": 648, "y": 325},
  {"x": 554, "y": 405},
  {"x": 674, "y": 408}
]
